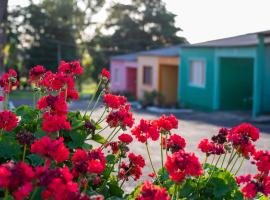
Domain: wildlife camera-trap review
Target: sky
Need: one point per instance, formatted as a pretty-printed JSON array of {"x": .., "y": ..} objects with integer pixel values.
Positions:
[{"x": 203, "y": 20}]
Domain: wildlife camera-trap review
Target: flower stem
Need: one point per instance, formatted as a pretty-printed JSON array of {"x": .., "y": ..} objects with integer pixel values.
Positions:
[
  {"x": 241, "y": 164},
  {"x": 100, "y": 118},
  {"x": 213, "y": 159},
  {"x": 95, "y": 105},
  {"x": 24, "y": 152},
  {"x": 233, "y": 154},
  {"x": 238, "y": 156},
  {"x": 162, "y": 156},
  {"x": 224, "y": 159},
  {"x": 150, "y": 159},
  {"x": 6, "y": 194},
  {"x": 33, "y": 194},
  {"x": 92, "y": 97}
]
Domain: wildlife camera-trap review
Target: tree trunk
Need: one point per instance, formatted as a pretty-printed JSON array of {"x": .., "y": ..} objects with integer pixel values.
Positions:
[{"x": 3, "y": 23}]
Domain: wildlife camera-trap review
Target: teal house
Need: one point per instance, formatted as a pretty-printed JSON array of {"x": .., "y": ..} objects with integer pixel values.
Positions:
[{"x": 227, "y": 74}]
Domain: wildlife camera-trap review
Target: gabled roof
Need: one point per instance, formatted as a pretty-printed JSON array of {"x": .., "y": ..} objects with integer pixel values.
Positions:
[
  {"x": 250, "y": 39},
  {"x": 125, "y": 57},
  {"x": 166, "y": 51}
]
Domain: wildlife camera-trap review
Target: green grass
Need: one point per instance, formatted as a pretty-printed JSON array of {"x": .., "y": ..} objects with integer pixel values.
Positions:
[
  {"x": 21, "y": 94},
  {"x": 87, "y": 89}
]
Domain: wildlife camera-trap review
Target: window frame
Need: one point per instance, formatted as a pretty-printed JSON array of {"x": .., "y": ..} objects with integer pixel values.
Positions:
[
  {"x": 150, "y": 73},
  {"x": 194, "y": 84}
]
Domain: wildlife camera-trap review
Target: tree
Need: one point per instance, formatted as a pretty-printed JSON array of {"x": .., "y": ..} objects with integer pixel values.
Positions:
[
  {"x": 141, "y": 25},
  {"x": 52, "y": 30},
  {"x": 3, "y": 20}
]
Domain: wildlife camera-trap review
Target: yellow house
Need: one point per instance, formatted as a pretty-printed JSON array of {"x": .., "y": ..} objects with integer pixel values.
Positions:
[{"x": 158, "y": 71}]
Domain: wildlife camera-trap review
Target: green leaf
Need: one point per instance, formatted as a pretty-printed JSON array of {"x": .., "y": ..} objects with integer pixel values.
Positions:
[
  {"x": 27, "y": 113},
  {"x": 10, "y": 148},
  {"x": 110, "y": 159},
  {"x": 114, "y": 189},
  {"x": 99, "y": 139},
  {"x": 78, "y": 138},
  {"x": 35, "y": 160},
  {"x": 87, "y": 146}
]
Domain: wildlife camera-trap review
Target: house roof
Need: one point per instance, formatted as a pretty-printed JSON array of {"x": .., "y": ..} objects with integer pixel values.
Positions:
[
  {"x": 125, "y": 57},
  {"x": 250, "y": 39},
  {"x": 166, "y": 51}
]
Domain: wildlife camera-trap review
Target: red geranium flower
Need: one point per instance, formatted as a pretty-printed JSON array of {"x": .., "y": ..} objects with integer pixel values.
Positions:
[
  {"x": 70, "y": 68},
  {"x": 17, "y": 178},
  {"x": 152, "y": 192},
  {"x": 8, "y": 120},
  {"x": 241, "y": 138},
  {"x": 53, "y": 149},
  {"x": 91, "y": 162},
  {"x": 36, "y": 73},
  {"x": 121, "y": 117},
  {"x": 125, "y": 138},
  {"x": 210, "y": 147},
  {"x": 145, "y": 130},
  {"x": 182, "y": 164},
  {"x": 167, "y": 123},
  {"x": 54, "y": 123},
  {"x": 174, "y": 143},
  {"x": 9, "y": 80},
  {"x": 262, "y": 160},
  {"x": 114, "y": 101},
  {"x": 105, "y": 73},
  {"x": 56, "y": 105}
]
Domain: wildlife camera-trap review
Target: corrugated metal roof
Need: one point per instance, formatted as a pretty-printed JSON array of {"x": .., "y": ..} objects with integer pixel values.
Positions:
[
  {"x": 166, "y": 51},
  {"x": 250, "y": 39},
  {"x": 125, "y": 57}
]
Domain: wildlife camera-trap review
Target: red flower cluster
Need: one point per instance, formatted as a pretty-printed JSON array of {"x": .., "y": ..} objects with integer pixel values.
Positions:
[
  {"x": 72, "y": 68},
  {"x": 121, "y": 117},
  {"x": 241, "y": 138},
  {"x": 211, "y": 148},
  {"x": 55, "y": 105},
  {"x": 17, "y": 178},
  {"x": 54, "y": 123},
  {"x": 125, "y": 138},
  {"x": 133, "y": 169},
  {"x": 167, "y": 123},
  {"x": 259, "y": 182},
  {"x": 105, "y": 73},
  {"x": 9, "y": 80},
  {"x": 114, "y": 101},
  {"x": 182, "y": 164},
  {"x": 58, "y": 184},
  {"x": 174, "y": 143},
  {"x": 36, "y": 73},
  {"x": 52, "y": 149},
  {"x": 152, "y": 192},
  {"x": 92, "y": 162},
  {"x": 8, "y": 120},
  {"x": 145, "y": 130}
]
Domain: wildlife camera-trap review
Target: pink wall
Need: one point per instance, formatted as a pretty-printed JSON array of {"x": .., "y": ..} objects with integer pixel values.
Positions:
[{"x": 118, "y": 74}]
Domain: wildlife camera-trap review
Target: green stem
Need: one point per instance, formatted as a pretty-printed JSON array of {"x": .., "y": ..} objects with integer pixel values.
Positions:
[
  {"x": 241, "y": 164},
  {"x": 102, "y": 129},
  {"x": 118, "y": 172},
  {"x": 6, "y": 194},
  {"x": 175, "y": 191},
  {"x": 162, "y": 157},
  {"x": 24, "y": 152},
  {"x": 92, "y": 97},
  {"x": 233, "y": 154},
  {"x": 150, "y": 159},
  {"x": 224, "y": 159},
  {"x": 100, "y": 119},
  {"x": 95, "y": 105},
  {"x": 238, "y": 156},
  {"x": 205, "y": 160},
  {"x": 33, "y": 194},
  {"x": 107, "y": 177},
  {"x": 109, "y": 140},
  {"x": 213, "y": 159}
]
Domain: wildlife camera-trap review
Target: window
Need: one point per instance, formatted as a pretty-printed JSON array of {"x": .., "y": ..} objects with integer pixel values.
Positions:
[
  {"x": 147, "y": 75},
  {"x": 116, "y": 75},
  {"x": 197, "y": 73}
]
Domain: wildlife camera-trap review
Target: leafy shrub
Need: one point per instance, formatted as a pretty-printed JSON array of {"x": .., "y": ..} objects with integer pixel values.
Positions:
[{"x": 49, "y": 152}]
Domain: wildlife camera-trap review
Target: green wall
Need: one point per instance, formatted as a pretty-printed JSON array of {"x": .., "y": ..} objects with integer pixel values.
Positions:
[
  {"x": 192, "y": 96},
  {"x": 266, "y": 82},
  {"x": 236, "y": 83}
]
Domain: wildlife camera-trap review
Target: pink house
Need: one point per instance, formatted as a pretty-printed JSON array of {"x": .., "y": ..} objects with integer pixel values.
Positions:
[{"x": 123, "y": 70}]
